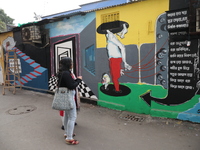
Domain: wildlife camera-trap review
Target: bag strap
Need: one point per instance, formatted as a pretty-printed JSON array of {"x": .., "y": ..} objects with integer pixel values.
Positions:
[{"x": 59, "y": 82}]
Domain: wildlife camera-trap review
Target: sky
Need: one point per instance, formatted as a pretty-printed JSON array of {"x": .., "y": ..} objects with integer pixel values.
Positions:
[{"x": 23, "y": 10}]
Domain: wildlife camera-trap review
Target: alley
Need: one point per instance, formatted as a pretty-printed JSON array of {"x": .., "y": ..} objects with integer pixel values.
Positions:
[{"x": 27, "y": 122}]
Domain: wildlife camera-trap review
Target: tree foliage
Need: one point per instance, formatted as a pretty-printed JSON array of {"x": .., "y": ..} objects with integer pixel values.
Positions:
[{"x": 4, "y": 20}]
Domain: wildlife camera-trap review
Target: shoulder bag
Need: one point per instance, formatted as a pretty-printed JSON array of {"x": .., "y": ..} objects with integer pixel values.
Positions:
[{"x": 63, "y": 98}]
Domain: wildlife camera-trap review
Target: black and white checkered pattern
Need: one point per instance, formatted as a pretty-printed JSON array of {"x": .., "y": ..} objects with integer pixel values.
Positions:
[
  {"x": 53, "y": 83},
  {"x": 83, "y": 89}
]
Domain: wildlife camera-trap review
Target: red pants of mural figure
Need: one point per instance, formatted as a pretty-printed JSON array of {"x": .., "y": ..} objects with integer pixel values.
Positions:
[{"x": 115, "y": 68}]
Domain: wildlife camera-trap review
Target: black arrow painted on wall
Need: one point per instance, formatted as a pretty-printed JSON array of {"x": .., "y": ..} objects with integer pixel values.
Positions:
[{"x": 174, "y": 97}]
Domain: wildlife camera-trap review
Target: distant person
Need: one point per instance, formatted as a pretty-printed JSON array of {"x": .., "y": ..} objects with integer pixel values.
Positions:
[{"x": 68, "y": 80}]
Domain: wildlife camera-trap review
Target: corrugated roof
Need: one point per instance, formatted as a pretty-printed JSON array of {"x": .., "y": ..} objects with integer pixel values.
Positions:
[
  {"x": 105, "y": 4},
  {"x": 62, "y": 14},
  {"x": 89, "y": 7}
]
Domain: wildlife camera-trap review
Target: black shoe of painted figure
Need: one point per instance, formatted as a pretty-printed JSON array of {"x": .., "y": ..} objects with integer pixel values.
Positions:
[{"x": 63, "y": 128}]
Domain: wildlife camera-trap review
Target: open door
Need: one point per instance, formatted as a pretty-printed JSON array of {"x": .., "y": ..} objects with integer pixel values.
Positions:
[{"x": 63, "y": 49}]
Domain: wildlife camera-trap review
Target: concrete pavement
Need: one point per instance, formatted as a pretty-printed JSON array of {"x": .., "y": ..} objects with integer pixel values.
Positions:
[{"x": 27, "y": 122}]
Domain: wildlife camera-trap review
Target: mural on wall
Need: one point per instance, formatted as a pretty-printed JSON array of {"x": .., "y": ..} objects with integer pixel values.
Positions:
[
  {"x": 144, "y": 70},
  {"x": 26, "y": 77},
  {"x": 116, "y": 54},
  {"x": 180, "y": 59},
  {"x": 66, "y": 34},
  {"x": 4, "y": 43},
  {"x": 69, "y": 25},
  {"x": 62, "y": 46},
  {"x": 7, "y": 45},
  {"x": 167, "y": 84},
  {"x": 105, "y": 80},
  {"x": 182, "y": 77},
  {"x": 65, "y": 42},
  {"x": 65, "y": 46},
  {"x": 140, "y": 63},
  {"x": 36, "y": 71}
]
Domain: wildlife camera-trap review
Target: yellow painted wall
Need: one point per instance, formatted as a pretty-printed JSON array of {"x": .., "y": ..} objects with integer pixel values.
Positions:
[{"x": 138, "y": 15}]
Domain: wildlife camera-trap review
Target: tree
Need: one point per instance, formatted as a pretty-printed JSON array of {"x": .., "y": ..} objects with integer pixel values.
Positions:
[{"x": 4, "y": 20}]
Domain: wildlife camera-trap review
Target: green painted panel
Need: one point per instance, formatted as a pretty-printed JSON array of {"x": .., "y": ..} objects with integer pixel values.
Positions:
[
  {"x": 159, "y": 110},
  {"x": 132, "y": 102}
]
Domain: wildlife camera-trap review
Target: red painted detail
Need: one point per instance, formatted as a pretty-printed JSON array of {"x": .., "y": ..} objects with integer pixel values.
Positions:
[
  {"x": 27, "y": 58},
  {"x": 37, "y": 72},
  {"x": 21, "y": 82},
  {"x": 28, "y": 77},
  {"x": 33, "y": 74},
  {"x": 37, "y": 67},
  {"x": 32, "y": 62},
  {"x": 24, "y": 79}
]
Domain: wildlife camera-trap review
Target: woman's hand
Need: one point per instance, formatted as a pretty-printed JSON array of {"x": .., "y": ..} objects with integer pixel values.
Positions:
[{"x": 79, "y": 77}]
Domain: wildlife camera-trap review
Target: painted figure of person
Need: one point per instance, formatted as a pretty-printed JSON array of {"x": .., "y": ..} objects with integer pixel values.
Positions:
[
  {"x": 116, "y": 50},
  {"x": 105, "y": 80}
]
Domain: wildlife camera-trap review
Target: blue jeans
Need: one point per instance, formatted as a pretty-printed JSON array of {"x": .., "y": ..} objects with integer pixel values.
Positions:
[{"x": 69, "y": 121}]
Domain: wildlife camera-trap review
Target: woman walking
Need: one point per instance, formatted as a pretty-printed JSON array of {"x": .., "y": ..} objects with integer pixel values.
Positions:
[{"x": 67, "y": 79}]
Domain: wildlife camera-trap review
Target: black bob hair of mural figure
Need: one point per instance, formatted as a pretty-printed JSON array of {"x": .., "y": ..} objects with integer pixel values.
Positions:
[{"x": 114, "y": 27}]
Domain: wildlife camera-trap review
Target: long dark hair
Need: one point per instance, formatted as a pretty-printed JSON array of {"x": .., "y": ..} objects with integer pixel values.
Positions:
[{"x": 65, "y": 64}]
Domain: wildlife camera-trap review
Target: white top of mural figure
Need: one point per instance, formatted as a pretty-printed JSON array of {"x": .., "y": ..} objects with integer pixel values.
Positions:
[{"x": 115, "y": 48}]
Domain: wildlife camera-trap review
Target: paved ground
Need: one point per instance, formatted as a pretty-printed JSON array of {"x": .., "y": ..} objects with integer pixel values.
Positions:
[{"x": 27, "y": 122}]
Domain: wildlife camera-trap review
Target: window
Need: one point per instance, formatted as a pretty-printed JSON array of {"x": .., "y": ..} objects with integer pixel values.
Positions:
[
  {"x": 110, "y": 17},
  {"x": 90, "y": 59}
]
